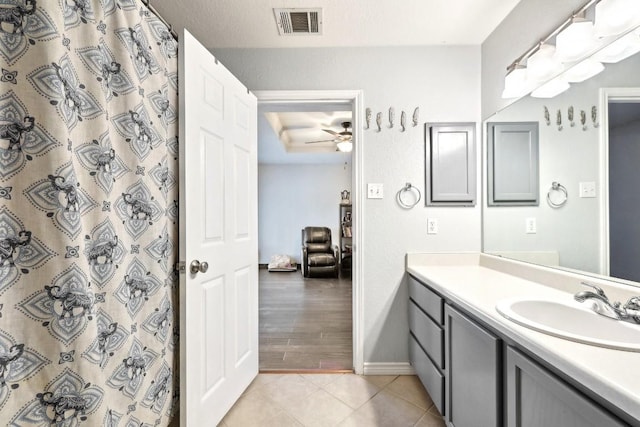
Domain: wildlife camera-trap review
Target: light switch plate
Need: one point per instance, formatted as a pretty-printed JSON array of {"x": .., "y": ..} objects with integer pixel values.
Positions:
[{"x": 375, "y": 191}]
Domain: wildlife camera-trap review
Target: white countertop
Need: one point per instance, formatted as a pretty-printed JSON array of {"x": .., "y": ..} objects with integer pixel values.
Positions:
[{"x": 475, "y": 283}]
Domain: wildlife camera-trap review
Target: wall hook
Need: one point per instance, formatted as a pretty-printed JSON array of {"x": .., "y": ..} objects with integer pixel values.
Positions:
[
  {"x": 547, "y": 116},
  {"x": 559, "y": 119},
  {"x": 570, "y": 116}
]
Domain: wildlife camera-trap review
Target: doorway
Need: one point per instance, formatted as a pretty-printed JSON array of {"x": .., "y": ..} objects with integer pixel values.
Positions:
[
  {"x": 353, "y": 100},
  {"x": 621, "y": 128}
]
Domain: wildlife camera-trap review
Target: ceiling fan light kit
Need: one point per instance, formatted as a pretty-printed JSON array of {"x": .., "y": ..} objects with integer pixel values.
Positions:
[
  {"x": 342, "y": 139},
  {"x": 345, "y": 146}
]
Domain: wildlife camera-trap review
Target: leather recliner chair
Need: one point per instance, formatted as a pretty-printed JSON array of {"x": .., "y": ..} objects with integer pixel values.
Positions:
[{"x": 319, "y": 256}]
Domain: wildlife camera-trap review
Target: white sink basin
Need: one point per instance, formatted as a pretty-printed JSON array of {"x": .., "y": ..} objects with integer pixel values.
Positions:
[{"x": 573, "y": 321}]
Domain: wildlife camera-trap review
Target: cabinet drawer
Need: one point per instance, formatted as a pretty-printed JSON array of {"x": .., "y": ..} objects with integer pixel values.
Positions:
[
  {"x": 427, "y": 300},
  {"x": 429, "y": 375},
  {"x": 428, "y": 333}
]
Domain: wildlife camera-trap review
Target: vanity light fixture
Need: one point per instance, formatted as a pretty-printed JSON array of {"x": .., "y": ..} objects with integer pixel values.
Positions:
[
  {"x": 544, "y": 63},
  {"x": 551, "y": 88},
  {"x": 576, "y": 41},
  {"x": 572, "y": 58},
  {"x": 616, "y": 16},
  {"x": 515, "y": 82},
  {"x": 620, "y": 49},
  {"x": 583, "y": 70}
]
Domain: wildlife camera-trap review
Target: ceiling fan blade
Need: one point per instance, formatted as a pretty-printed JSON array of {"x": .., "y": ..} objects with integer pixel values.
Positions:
[
  {"x": 332, "y": 132},
  {"x": 324, "y": 140}
]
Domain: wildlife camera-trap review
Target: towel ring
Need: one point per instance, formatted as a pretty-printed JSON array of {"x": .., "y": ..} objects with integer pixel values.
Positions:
[
  {"x": 406, "y": 189},
  {"x": 556, "y": 187}
]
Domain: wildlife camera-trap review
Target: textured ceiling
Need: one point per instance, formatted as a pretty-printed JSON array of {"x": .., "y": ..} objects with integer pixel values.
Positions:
[
  {"x": 307, "y": 131},
  {"x": 284, "y": 130},
  {"x": 251, "y": 23}
]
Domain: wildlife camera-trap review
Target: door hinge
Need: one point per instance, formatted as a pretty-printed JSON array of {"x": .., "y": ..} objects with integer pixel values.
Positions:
[{"x": 181, "y": 267}]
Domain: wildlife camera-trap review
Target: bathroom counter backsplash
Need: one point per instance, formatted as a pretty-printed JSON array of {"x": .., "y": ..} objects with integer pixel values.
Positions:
[{"x": 476, "y": 282}]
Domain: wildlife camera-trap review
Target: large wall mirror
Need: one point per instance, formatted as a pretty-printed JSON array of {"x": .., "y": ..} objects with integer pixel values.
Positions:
[{"x": 597, "y": 229}]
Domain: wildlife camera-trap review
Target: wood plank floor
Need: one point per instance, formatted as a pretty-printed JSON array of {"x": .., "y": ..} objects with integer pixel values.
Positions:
[{"x": 305, "y": 324}]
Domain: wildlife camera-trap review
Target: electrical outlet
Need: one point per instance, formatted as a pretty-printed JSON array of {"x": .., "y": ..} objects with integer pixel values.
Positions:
[
  {"x": 432, "y": 226},
  {"x": 530, "y": 226},
  {"x": 588, "y": 189},
  {"x": 375, "y": 191}
]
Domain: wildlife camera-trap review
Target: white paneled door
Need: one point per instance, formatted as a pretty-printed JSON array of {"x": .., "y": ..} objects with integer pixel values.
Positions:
[{"x": 218, "y": 237}]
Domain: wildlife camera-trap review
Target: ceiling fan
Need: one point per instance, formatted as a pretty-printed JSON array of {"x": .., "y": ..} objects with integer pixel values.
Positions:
[{"x": 342, "y": 139}]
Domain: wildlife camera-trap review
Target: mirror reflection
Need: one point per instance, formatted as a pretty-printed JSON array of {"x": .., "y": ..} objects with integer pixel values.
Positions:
[{"x": 587, "y": 216}]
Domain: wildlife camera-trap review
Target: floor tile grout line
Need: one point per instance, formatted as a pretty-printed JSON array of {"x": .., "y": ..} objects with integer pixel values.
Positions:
[
  {"x": 405, "y": 399},
  {"x": 307, "y": 378}
]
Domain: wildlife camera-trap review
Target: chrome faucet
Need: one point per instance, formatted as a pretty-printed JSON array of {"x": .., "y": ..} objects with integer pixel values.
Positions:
[
  {"x": 601, "y": 303},
  {"x": 630, "y": 312}
]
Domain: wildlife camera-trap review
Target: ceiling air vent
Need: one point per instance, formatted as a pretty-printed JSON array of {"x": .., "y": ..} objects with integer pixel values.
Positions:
[{"x": 293, "y": 22}]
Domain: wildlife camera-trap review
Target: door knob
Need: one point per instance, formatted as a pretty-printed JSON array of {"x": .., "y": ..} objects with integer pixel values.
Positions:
[{"x": 199, "y": 267}]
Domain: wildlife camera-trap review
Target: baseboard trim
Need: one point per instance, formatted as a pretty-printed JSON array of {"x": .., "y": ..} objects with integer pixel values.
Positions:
[
  {"x": 403, "y": 368},
  {"x": 305, "y": 371}
]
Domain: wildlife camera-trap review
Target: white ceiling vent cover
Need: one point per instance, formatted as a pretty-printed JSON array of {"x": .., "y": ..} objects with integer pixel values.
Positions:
[{"x": 292, "y": 22}]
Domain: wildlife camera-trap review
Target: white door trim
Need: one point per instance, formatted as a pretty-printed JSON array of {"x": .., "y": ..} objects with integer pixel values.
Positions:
[
  {"x": 608, "y": 94},
  {"x": 355, "y": 98}
]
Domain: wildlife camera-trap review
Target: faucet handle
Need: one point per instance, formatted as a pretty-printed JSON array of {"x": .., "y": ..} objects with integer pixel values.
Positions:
[
  {"x": 633, "y": 303},
  {"x": 598, "y": 289}
]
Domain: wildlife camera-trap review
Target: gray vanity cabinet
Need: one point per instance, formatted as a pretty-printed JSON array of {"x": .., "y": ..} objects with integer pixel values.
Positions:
[
  {"x": 476, "y": 380},
  {"x": 426, "y": 339},
  {"x": 536, "y": 398},
  {"x": 473, "y": 375}
]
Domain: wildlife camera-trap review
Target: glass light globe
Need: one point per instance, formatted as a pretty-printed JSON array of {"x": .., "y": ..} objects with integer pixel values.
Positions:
[
  {"x": 551, "y": 88},
  {"x": 616, "y": 16},
  {"x": 345, "y": 146},
  {"x": 583, "y": 70},
  {"x": 575, "y": 41},
  {"x": 515, "y": 83},
  {"x": 543, "y": 64}
]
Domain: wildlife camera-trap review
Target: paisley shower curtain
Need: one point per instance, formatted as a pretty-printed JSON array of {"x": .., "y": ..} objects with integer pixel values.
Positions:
[{"x": 88, "y": 214}]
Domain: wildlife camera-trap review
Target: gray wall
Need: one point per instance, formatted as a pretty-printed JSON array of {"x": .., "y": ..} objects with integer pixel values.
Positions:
[
  {"x": 445, "y": 83},
  {"x": 291, "y": 197}
]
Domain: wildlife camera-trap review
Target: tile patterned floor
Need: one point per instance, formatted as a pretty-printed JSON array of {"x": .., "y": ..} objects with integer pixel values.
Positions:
[{"x": 345, "y": 400}]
